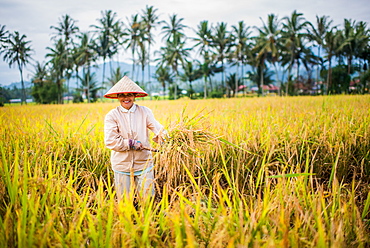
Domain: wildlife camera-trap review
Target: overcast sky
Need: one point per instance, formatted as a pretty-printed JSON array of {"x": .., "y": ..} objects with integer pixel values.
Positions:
[{"x": 34, "y": 17}]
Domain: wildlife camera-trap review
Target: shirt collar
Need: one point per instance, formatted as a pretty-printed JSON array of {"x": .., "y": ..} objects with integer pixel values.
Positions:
[{"x": 132, "y": 109}]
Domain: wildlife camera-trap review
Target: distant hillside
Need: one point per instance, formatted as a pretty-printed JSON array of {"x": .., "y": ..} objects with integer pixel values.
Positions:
[{"x": 18, "y": 85}]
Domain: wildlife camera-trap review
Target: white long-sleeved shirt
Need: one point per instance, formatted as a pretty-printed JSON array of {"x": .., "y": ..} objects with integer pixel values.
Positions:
[{"x": 120, "y": 125}]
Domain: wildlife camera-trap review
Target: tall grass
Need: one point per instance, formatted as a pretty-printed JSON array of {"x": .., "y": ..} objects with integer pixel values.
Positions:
[{"x": 260, "y": 172}]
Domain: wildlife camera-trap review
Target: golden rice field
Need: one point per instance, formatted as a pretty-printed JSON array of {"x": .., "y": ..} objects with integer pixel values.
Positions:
[{"x": 246, "y": 172}]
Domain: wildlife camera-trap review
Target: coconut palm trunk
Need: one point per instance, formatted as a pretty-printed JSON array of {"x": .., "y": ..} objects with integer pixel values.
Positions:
[{"x": 23, "y": 88}]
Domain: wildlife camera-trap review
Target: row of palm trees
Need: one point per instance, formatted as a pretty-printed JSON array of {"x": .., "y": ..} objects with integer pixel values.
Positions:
[
  {"x": 16, "y": 51},
  {"x": 285, "y": 44}
]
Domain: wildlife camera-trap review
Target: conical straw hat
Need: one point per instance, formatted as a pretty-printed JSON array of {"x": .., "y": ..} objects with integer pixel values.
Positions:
[{"x": 125, "y": 85}]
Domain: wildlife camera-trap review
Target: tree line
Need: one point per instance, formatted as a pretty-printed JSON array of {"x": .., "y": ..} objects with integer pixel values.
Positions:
[{"x": 296, "y": 55}]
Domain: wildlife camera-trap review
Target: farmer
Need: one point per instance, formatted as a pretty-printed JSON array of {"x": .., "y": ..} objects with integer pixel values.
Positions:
[{"x": 126, "y": 134}]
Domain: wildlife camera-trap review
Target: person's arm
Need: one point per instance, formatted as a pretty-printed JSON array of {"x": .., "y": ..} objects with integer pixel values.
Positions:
[
  {"x": 159, "y": 132},
  {"x": 112, "y": 139}
]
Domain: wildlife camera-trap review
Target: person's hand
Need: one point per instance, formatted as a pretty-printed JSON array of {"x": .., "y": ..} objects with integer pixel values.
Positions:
[
  {"x": 135, "y": 145},
  {"x": 163, "y": 137},
  {"x": 161, "y": 140}
]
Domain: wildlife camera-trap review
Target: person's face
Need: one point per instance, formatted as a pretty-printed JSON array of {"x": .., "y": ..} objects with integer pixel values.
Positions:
[{"x": 126, "y": 100}]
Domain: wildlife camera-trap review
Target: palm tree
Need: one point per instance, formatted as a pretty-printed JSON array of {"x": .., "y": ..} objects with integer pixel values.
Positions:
[
  {"x": 150, "y": 21},
  {"x": 355, "y": 38},
  {"x": 173, "y": 55},
  {"x": 40, "y": 79},
  {"x": 3, "y": 36},
  {"x": 364, "y": 56},
  {"x": 116, "y": 75},
  {"x": 240, "y": 34},
  {"x": 331, "y": 43},
  {"x": 143, "y": 59},
  {"x": 348, "y": 46},
  {"x": 101, "y": 47},
  {"x": 118, "y": 37},
  {"x": 258, "y": 62},
  {"x": 208, "y": 69},
  {"x": 191, "y": 73},
  {"x": 84, "y": 54},
  {"x": 67, "y": 29},
  {"x": 40, "y": 74},
  {"x": 293, "y": 38},
  {"x": 60, "y": 62},
  {"x": 309, "y": 61},
  {"x": 317, "y": 34},
  {"x": 105, "y": 45},
  {"x": 256, "y": 74},
  {"x": 221, "y": 41},
  {"x": 18, "y": 51},
  {"x": 135, "y": 32},
  {"x": 89, "y": 85},
  {"x": 175, "y": 52},
  {"x": 232, "y": 82},
  {"x": 268, "y": 43},
  {"x": 173, "y": 28},
  {"x": 363, "y": 43},
  {"x": 203, "y": 40},
  {"x": 163, "y": 75}
]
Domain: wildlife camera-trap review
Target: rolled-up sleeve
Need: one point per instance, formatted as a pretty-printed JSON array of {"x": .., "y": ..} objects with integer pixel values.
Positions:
[{"x": 112, "y": 139}]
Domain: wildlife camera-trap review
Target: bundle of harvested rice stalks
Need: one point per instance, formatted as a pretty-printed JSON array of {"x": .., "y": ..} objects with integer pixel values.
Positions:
[{"x": 187, "y": 155}]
